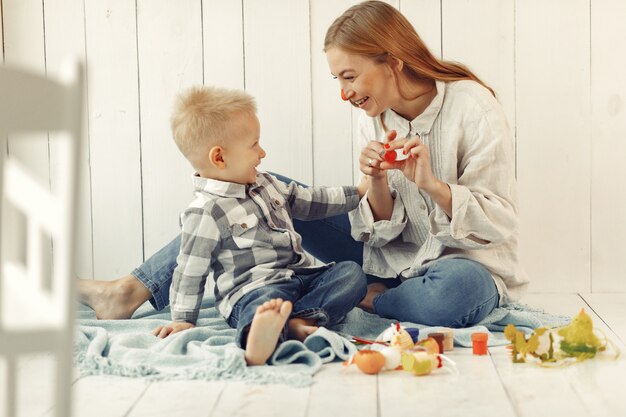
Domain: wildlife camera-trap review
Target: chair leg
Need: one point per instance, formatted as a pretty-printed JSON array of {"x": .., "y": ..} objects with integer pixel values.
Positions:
[
  {"x": 63, "y": 405},
  {"x": 10, "y": 408}
]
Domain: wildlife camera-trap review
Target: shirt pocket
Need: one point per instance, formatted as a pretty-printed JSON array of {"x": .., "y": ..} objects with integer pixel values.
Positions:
[{"x": 249, "y": 232}]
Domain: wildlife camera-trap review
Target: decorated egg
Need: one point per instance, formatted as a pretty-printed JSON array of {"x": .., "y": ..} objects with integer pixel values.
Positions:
[
  {"x": 420, "y": 363},
  {"x": 369, "y": 361},
  {"x": 430, "y": 344},
  {"x": 392, "y": 357}
]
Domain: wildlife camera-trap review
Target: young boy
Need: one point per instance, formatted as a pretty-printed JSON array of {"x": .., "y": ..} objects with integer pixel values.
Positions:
[{"x": 239, "y": 229}]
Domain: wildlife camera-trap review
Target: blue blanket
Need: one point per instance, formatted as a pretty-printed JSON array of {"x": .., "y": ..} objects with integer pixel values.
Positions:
[{"x": 208, "y": 351}]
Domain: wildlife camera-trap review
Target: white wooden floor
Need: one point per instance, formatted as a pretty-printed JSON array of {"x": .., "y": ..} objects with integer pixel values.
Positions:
[{"x": 486, "y": 385}]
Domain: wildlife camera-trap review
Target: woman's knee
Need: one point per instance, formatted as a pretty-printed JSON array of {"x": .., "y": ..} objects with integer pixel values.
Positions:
[
  {"x": 452, "y": 293},
  {"x": 469, "y": 289}
]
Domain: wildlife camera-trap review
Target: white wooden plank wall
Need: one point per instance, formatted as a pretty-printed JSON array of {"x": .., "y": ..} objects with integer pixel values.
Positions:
[
  {"x": 24, "y": 45},
  {"x": 1, "y": 33},
  {"x": 554, "y": 65},
  {"x": 222, "y": 31},
  {"x": 114, "y": 141},
  {"x": 332, "y": 118},
  {"x": 169, "y": 43},
  {"x": 493, "y": 24},
  {"x": 553, "y": 141},
  {"x": 278, "y": 74},
  {"x": 64, "y": 42},
  {"x": 608, "y": 130}
]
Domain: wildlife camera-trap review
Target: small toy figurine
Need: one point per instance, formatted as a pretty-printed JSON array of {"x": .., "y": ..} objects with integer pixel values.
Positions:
[
  {"x": 576, "y": 342},
  {"x": 399, "y": 352},
  {"x": 401, "y": 338},
  {"x": 578, "y": 338}
]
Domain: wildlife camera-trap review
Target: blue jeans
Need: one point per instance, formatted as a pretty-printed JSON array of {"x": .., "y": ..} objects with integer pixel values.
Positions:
[
  {"x": 325, "y": 297},
  {"x": 453, "y": 292}
]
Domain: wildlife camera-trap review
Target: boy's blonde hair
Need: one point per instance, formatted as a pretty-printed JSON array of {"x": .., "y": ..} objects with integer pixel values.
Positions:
[{"x": 202, "y": 116}]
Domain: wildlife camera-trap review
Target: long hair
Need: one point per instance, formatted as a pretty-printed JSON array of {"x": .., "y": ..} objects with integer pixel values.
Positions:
[{"x": 378, "y": 30}]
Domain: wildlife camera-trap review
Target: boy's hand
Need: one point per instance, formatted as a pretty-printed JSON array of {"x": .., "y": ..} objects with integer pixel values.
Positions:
[{"x": 173, "y": 327}]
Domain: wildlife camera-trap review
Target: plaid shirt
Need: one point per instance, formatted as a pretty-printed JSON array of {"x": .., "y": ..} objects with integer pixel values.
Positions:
[{"x": 244, "y": 236}]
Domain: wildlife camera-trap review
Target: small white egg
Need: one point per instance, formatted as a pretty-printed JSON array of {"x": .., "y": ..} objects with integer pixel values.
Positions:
[{"x": 392, "y": 357}]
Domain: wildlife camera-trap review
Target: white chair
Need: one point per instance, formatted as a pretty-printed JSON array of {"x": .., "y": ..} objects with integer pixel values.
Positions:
[{"x": 37, "y": 292}]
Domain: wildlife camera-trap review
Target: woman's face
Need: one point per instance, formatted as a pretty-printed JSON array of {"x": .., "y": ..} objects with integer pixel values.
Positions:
[{"x": 367, "y": 84}]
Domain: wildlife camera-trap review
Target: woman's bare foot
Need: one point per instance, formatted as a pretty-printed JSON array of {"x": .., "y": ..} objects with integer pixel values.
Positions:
[
  {"x": 300, "y": 328},
  {"x": 113, "y": 300},
  {"x": 373, "y": 290},
  {"x": 267, "y": 324}
]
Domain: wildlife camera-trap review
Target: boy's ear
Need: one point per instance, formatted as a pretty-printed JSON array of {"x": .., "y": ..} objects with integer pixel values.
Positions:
[{"x": 216, "y": 157}]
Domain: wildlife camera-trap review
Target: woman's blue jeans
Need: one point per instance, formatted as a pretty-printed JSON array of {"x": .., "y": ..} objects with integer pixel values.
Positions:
[{"x": 452, "y": 292}]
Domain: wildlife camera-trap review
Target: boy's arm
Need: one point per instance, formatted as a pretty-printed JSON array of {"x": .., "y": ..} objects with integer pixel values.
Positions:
[
  {"x": 310, "y": 203},
  {"x": 199, "y": 239}
]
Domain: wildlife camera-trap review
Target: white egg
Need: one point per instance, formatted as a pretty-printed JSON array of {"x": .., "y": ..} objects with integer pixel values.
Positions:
[{"x": 392, "y": 357}]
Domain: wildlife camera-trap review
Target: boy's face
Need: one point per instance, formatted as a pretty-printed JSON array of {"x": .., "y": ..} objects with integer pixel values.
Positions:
[{"x": 243, "y": 152}]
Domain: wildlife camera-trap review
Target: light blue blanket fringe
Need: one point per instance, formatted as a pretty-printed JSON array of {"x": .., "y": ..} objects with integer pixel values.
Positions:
[{"x": 208, "y": 351}]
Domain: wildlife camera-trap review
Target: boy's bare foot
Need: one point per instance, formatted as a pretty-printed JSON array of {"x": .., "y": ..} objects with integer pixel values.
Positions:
[
  {"x": 373, "y": 290},
  {"x": 267, "y": 324},
  {"x": 113, "y": 300},
  {"x": 300, "y": 328}
]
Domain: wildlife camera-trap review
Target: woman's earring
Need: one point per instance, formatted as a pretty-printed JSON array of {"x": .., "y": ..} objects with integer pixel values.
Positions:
[{"x": 343, "y": 96}]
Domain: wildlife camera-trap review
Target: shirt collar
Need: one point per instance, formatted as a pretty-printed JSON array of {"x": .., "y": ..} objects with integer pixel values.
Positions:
[
  {"x": 217, "y": 187},
  {"x": 424, "y": 122}
]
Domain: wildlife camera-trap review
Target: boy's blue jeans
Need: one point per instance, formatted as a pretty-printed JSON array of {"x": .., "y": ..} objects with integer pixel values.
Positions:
[
  {"x": 325, "y": 297},
  {"x": 452, "y": 292}
]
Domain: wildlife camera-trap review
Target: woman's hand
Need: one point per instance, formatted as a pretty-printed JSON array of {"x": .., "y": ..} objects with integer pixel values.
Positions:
[
  {"x": 418, "y": 169},
  {"x": 372, "y": 157},
  {"x": 417, "y": 166}
]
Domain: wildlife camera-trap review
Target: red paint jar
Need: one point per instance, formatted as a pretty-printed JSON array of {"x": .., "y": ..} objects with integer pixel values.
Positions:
[{"x": 479, "y": 343}]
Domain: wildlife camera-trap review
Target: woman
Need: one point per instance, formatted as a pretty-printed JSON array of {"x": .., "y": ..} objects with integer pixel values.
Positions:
[
  {"x": 441, "y": 225},
  {"x": 437, "y": 232}
]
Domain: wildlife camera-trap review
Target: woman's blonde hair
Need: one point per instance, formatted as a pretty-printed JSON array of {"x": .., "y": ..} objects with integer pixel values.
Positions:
[
  {"x": 378, "y": 30},
  {"x": 202, "y": 115}
]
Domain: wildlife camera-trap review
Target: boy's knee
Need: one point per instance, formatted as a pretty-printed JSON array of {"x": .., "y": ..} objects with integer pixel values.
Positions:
[
  {"x": 353, "y": 270},
  {"x": 350, "y": 268},
  {"x": 357, "y": 279}
]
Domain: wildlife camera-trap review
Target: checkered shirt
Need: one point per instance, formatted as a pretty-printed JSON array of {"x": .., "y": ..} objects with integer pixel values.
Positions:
[{"x": 243, "y": 237}]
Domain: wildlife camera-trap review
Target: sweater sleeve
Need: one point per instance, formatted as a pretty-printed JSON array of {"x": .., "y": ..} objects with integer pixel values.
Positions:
[
  {"x": 377, "y": 233},
  {"x": 363, "y": 227},
  {"x": 484, "y": 198}
]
